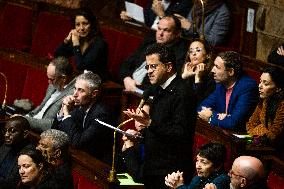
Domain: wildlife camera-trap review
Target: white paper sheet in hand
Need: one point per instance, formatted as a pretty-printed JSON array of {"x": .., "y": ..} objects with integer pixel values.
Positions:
[
  {"x": 118, "y": 130},
  {"x": 135, "y": 11}
]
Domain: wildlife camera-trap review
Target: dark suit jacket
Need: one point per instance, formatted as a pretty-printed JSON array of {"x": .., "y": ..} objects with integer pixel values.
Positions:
[
  {"x": 181, "y": 7},
  {"x": 13, "y": 172},
  {"x": 242, "y": 103},
  {"x": 93, "y": 138},
  {"x": 169, "y": 138},
  {"x": 275, "y": 58}
]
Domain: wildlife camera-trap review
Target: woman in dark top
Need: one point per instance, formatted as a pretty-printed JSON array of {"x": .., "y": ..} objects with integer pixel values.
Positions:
[
  {"x": 197, "y": 69},
  {"x": 87, "y": 44},
  {"x": 34, "y": 172},
  {"x": 209, "y": 167}
]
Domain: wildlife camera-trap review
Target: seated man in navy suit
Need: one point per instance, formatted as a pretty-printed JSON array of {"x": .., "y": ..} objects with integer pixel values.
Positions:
[
  {"x": 235, "y": 96},
  {"x": 78, "y": 115}
]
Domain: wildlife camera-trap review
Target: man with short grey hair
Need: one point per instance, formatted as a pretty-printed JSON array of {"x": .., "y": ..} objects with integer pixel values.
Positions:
[{"x": 78, "y": 116}]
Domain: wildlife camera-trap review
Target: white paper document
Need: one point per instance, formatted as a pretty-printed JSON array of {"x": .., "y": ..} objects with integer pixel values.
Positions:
[
  {"x": 118, "y": 130},
  {"x": 135, "y": 11}
]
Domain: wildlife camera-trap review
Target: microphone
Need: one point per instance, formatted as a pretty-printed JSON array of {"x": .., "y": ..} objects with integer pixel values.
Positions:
[{"x": 145, "y": 97}]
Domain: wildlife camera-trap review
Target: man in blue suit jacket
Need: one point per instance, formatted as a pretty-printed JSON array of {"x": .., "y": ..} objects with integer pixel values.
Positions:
[{"x": 235, "y": 96}]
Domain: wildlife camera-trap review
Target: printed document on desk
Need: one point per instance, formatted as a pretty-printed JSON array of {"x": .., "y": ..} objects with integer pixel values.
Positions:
[{"x": 135, "y": 11}]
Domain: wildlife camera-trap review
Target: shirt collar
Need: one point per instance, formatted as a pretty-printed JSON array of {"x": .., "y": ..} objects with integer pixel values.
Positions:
[{"x": 164, "y": 85}]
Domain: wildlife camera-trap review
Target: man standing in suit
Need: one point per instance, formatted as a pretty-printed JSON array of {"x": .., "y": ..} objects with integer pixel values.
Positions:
[
  {"x": 170, "y": 125},
  {"x": 235, "y": 96},
  {"x": 61, "y": 84},
  {"x": 77, "y": 117}
]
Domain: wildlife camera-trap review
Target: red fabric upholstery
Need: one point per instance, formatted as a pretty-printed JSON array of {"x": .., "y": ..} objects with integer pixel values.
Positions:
[
  {"x": 142, "y": 3},
  {"x": 81, "y": 182},
  {"x": 16, "y": 27},
  {"x": 121, "y": 45},
  {"x": 35, "y": 86},
  {"x": 16, "y": 76},
  {"x": 254, "y": 74},
  {"x": 275, "y": 181},
  {"x": 50, "y": 31},
  {"x": 199, "y": 140}
]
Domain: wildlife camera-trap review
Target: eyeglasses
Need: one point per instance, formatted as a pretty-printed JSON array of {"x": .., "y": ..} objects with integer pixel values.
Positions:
[
  {"x": 9, "y": 131},
  {"x": 231, "y": 172},
  {"x": 152, "y": 66},
  {"x": 197, "y": 50}
]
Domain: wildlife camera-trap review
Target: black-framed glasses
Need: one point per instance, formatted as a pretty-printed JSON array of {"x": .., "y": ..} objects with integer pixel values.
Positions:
[{"x": 152, "y": 66}]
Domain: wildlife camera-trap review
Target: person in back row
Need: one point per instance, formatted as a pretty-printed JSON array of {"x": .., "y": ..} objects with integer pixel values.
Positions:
[
  {"x": 235, "y": 96},
  {"x": 61, "y": 83},
  {"x": 217, "y": 21},
  {"x": 157, "y": 9},
  {"x": 133, "y": 72},
  {"x": 86, "y": 43}
]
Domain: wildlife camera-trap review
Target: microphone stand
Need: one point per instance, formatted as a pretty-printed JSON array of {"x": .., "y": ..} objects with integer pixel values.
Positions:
[
  {"x": 112, "y": 174},
  {"x": 202, "y": 37},
  {"x": 3, "y": 107}
]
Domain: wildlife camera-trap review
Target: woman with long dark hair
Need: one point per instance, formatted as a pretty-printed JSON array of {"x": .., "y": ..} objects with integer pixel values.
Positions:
[
  {"x": 86, "y": 43},
  {"x": 267, "y": 120}
]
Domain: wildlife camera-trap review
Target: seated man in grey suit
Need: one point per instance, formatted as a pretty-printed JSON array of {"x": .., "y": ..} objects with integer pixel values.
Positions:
[{"x": 61, "y": 83}]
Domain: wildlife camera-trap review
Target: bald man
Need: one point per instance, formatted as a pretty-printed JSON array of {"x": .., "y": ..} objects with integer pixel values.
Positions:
[{"x": 247, "y": 173}]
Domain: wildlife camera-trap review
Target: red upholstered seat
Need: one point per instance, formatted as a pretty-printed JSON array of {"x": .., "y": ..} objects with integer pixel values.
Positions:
[
  {"x": 35, "y": 85},
  {"x": 81, "y": 182},
  {"x": 200, "y": 140},
  {"x": 121, "y": 45},
  {"x": 16, "y": 76},
  {"x": 275, "y": 181},
  {"x": 51, "y": 29},
  {"x": 16, "y": 27}
]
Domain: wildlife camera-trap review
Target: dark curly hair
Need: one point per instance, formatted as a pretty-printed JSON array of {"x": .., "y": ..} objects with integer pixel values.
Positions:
[
  {"x": 165, "y": 53},
  {"x": 273, "y": 101},
  {"x": 214, "y": 152},
  {"x": 232, "y": 60}
]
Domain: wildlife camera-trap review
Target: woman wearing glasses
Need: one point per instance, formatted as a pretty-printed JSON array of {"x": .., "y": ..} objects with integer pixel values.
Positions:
[
  {"x": 197, "y": 69},
  {"x": 209, "y": 167}
]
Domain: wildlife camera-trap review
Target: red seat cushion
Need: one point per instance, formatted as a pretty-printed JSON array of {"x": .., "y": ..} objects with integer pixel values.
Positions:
[
  {"x": 51, "y": 29},
  {"x": 16, "y": 76},
  {"x": 16, "y": 27},
  {"x": 275, "y": 181},
  {"x": 81, "y": 182},
  {"x": 35, "y": 85}
]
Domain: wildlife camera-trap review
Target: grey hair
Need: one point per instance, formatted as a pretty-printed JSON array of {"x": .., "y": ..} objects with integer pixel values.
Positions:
[
  {"x": 94, "y": 81},
  {"x": 62, "y": 66},
  {"x": 59, "y": 138}
]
